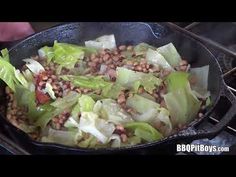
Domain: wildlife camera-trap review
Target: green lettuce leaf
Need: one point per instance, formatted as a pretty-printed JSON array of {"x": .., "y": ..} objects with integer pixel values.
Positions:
[
  {"x": 67, "y": 55},
  {"x": 48, "y": 89},
  {"x": 27, "y": 128},
  {"x": 103, "y": 42},
  {"x": 47, "y": 114},
  {"x": 182, "y": 104},
  {"x": 132, "y": 80},
  {"x": 109, "y": 110},
  {"x": 69, "y": 138},
  {"x": 200, "y": 87},
  {"x": 155, "y": 58},
  {"x": 92, "y": 82},
  {"x": 170, "y": 53},
  {"x": 86, "y": 103},
  {"x": 7, "y": 74},
  {"x": 112, "y": 91},
  {"x": 34, "y": 66},
  {"x": 5, "y": 55},
  {"x": 46, "y": 52},
  {"x": 141, "y": 104},
  {"x": 142, "y": 48},
  {"x": 91, "y": 123},
  {"x": 144, "y": 131},
  {"x": 90, "y": 142},
  {"x": 176, "y": 80},
  {"x": 67, "y": 101}
]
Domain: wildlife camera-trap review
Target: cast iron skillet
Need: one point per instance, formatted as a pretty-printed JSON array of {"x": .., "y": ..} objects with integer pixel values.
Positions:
[{"x": 156, "y": 34}]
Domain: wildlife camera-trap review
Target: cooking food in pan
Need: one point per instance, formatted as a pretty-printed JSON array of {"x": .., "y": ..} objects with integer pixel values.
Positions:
[{"x": 102, "y": 95}]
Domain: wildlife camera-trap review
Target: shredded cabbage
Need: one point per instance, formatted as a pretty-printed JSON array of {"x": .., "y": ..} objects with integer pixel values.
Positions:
[
  {"x": 142, "y": 48},
  {"x": 69, "y": 138},
  {"x": 101, "y": 129},
  {"x": 7, "y": 74},
  {"x": 92, "y": 82},
  {"x": 157, "y": 59},
  {"x": 67, "y": 101},
  {"x": 170, "y": 53},
  {"x": 48, "y": 89},
  {"x": 103, "y": 42},
  {"x": 201, "y": 85},
  {"x": 180, "y": 100},
  {"x": 5, "y": 55},
  {"x": 86, "y": 103},
  {"x": 109, "y": 110},
  {"x": 67, "y": 55},
  {"x": 34, "y": 66},
  {"x": 144, "y": 131},
  {"x": 141, "y": 104},
  {"x": 46, "y": 52},
  {"x": 132, "y": 80}
]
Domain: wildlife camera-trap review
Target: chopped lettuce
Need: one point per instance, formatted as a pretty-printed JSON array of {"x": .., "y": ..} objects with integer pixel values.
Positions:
[
  {"x": 27, "y": 99},
  {"x": 149, "y": 111},
  {"x": 28, "y": 75},
  {"x": 69, "y": 138},
  {"x": 170, "y": 53},
  {"x": 142, "y": 48},
  {"x": 176, "y": 80},
  {"x": 182, "y": 104},
  {"x": 7, "y": 74},
  {"x": 91, "y": 123},
  {"x": 76, "y": 110},
  {"x": 46, "y": 116},
  {"x": 144, "y": 131},
  {"x": 5, "y": 55},
  {"x": 155, "y": 58},
  {"x": 48, "y": 89},
  {"x": 141, "y": 104},
  {"x": 27, "y": 128},
  {"x": 148, "y": 96},
  {"x": 34, "y": 66},
  {"x": 200, "y": 85},
  {"x": 38, "y": 115},
  {"x": 208, "y": 101},
  {"x": 92, "y": 82},
  {"x": 86, "y": 103},
  {"x": 67, "y": 101},
  {"x": 20, "y": 77},
  {"x": 109, "y": 110},
  {"x": 164, "y": 117},
  {"x": 103, "y": 42},
  {"x": 112, "y": 91},
  {"x": 72, "y": 122},
  {"x": 180, "y": 100},
  {"x": 90, "y": 142},
  {"x": 149, "y": 116},
  {"x": 67, "y": 55},
  {"x": 134, "y": 140},
  {"x": 132, "y": 80},
  {"x": 46, "y": 52},
  {"x": 116, "y": 141}
]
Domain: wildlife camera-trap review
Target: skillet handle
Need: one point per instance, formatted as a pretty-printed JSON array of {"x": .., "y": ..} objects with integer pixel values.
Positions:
[
  {"x": 230, "y": 114},
  {"x": 192, "y": 133}
]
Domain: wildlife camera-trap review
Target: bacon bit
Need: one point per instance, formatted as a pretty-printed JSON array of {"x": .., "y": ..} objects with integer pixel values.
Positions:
[{"x": 41, "y": 97}]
